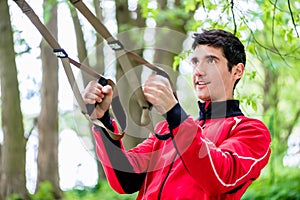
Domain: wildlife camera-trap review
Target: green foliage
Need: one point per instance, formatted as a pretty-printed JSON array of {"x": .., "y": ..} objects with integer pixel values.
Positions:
[
  {"x": 174, "y": 16},
  {"x": 45, "y": 192},
  {"x": 74, "y": 120},
  {"x": 146, "y": 10},
  {"x": 180, "y": 57},
  {"x": 285, "y": 186},
  {"x": 275, "y": 45},
  {"x": 21, "y": 46},
  {"x": 249, "y": 97},
  {"x": 14, "y": 197},
  {"x": 47, "y": 9},
  {"x": 102, "y": 191},
  {"x": 251, "y": 100},
  {"x": 190, "y": 5}
]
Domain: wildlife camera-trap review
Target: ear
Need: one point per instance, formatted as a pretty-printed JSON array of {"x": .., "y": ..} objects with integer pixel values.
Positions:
[{"x": 238, "y": 71}]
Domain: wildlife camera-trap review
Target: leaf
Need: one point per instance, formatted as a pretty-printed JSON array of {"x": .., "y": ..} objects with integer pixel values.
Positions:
[
  {"x": 251, "y": 48},
  {"x": 290, "y": 36},
  {"x": 176, "y": 62},
  {"x": 190, "y": 5},
  {"x": 254, "y": 105}
]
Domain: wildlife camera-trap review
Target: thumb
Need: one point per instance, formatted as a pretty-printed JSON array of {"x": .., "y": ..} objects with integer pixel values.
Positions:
[{"x": 107, "y": 89}]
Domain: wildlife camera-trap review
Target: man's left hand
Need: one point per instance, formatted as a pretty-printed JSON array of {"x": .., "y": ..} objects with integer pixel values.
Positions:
[{"x": 158, "y": 91}]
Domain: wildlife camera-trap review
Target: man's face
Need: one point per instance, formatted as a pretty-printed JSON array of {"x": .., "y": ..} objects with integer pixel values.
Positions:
[{"x": 211, "y": 77}]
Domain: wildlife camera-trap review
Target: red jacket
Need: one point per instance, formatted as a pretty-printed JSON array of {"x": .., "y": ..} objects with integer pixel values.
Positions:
[{"x": 214, "y": 157}]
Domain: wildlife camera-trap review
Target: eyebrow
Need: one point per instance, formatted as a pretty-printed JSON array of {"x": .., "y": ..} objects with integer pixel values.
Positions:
[
  {"x": 206, "y": 57},
  {"x": 212, "y": 56}
]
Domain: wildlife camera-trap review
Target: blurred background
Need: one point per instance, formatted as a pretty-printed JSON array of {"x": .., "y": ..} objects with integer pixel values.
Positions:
[{"x": 47, "y": 149}]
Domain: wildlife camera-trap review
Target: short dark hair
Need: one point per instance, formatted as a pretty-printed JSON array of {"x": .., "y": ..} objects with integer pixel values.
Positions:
[{"x": 232, "y": 47}]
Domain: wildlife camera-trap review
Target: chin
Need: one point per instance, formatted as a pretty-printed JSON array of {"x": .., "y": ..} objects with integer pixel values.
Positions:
[
  {"x": 203, "y": 95},
  {"x": 204, "y": 98}
]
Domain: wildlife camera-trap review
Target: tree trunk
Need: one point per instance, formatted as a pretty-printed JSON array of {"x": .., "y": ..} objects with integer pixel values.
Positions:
[
  {"x": 99, "y": 67},
  {"x": 270, "y": 110},
  {"x": 13, "y": 150},
  {"x": 81, "y": 49},
  {"x": 1, "y": 196},
  {"x": 83, "y": 58},
  {"x": 169, "y": 42},
  {"x": 135, "y": 133},
  {"x": 47, "y": 122},
  {"x": 99, "y": 42}
]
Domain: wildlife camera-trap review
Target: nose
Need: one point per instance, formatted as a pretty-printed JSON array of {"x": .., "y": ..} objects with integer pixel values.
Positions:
[{"x": 198, "y": 69}]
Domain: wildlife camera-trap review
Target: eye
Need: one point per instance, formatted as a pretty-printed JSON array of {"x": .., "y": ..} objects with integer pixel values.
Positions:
[
  {"x": 211, "y": 60},
  {"x": 194, "y": 62}
]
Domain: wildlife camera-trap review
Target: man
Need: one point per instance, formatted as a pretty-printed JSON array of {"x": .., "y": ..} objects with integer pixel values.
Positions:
[{"x": 216, "y": 156}]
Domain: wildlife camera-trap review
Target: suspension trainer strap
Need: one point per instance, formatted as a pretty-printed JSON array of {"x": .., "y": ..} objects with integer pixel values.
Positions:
[
  {"x": 61, "y": 53},
  {"x": 122, "y": 58},
  {"x": 54, "y": 44},
  {"x": 112, "y": 42}
]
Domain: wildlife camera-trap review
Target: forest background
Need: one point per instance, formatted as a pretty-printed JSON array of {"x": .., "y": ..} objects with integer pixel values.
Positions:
[{"x": 37, "y": 103}]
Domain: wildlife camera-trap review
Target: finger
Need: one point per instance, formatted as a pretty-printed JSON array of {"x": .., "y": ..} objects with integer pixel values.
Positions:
[
  {"x": 94, "y": 83},
  {"x": 91, "y": 98},
  {"x": 150, "y": 94},
  {"x": 157, "y": 81},
  {"x": 150, "y": 98},
  {"x": 107, "y": 89},
  {"x": 98, "y": 94},
  {"x": 94, "y": 86}
]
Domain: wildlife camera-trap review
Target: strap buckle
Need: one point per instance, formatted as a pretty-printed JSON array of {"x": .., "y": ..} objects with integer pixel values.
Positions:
[
  {"x": 60, "y": 53},
  {"x": 116, "y": 45}
]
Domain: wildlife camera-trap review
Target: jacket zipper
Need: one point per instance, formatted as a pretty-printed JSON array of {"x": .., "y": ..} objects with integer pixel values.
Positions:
[{"x": 165, "y": 180}]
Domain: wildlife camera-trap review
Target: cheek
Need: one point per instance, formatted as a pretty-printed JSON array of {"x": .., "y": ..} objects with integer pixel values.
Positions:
[
  {"x": 218, "y": 82},
  {"x": 221, "y": 84},
  {"x": 193, "y": 79}
]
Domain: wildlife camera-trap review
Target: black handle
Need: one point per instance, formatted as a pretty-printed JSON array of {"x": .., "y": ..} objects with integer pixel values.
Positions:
[{"x": 90, "y": 107}]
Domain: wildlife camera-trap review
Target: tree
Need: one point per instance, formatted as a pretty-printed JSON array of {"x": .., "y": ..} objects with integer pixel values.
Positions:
[
  {"x": 266, "y": 27},
  {"x": 12, "y": 164},
  {"x": 269, "y": 30},
  {"x": 47, "y": 122},
  {"x": 83, "y": 58},
  {"x": 130, "y": 38},
  {"x": 99, "y": 41},
  {"x": 278, "y": 62},
  {"x": 174, "y": 19},
  {"x": 132, "y": 29}
]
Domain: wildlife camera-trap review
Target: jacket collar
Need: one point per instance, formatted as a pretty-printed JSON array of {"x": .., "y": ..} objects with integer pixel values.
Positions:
[{"x": 221, "y": 109}]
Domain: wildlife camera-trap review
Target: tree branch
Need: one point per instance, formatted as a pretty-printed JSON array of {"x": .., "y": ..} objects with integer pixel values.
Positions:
[
  {"x": 273, "y": 33},
  {"x": 272, "y": 50},
  {"x": 221, "y": 14},
  {"x": 232, "y": 12},
  {"x": 203, "y": 5},
  {"x": 294, "y": 122},
  {"x": 292, "y": 16},
  {"x": 278, "y": 8},
  {"x": 32, "y": 128}
]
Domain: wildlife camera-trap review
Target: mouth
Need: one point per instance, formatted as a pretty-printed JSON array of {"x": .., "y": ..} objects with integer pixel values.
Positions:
[{"x": 201, "y": 83}]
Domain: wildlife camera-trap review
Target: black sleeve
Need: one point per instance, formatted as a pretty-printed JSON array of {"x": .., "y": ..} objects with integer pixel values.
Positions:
[
  {"x": 129, "y": 180},
  {"x": 175, "y": 116},
  {"x": 107, "y": 122}
]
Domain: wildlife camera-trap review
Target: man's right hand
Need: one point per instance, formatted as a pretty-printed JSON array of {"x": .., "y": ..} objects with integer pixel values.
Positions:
[{"x": 95, "y": 92}]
